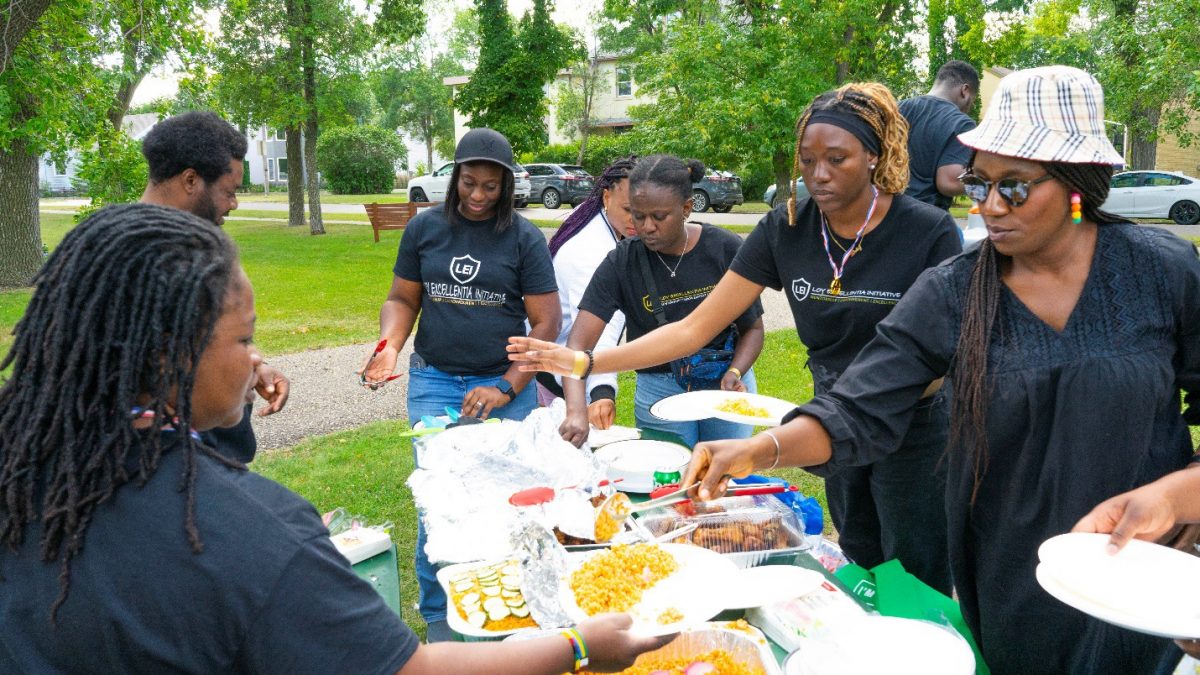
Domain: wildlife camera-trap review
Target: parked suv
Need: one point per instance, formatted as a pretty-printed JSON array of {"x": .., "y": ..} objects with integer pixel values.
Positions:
[
  {"x": 555, "y": 184},
  {"x": 721, "y": 190},
  {"x": 432, "y": 188}
]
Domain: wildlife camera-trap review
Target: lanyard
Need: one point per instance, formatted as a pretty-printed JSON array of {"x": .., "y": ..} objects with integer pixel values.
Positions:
[
  {"x": 141, "y": 413},
  {"x": 836, "y": 286}
]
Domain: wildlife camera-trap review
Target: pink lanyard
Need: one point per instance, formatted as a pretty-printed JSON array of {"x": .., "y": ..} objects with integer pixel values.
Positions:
[{"x": 836, "y": 286}]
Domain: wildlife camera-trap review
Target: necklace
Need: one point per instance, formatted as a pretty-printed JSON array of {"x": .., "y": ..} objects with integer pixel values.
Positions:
[
  {"x": 686, "y": 234},
  {"x": 838, "y": 241},
  {"x": 835, "y": 287}
]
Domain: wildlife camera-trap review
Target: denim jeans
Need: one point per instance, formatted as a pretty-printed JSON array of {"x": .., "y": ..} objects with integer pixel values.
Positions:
[
  {"x": 429, "y": 392},
  {"x": 654, "y": 387},
  {"x": 896, "y": 507}
]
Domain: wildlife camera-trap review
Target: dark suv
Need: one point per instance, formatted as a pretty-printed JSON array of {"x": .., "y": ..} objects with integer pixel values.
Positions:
[
  {"x": 555, "y": 184},
  {"x": 721, "y": 190}
]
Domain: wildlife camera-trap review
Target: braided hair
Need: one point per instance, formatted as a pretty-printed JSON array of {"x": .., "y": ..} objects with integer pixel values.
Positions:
[
  {"x": 583, "y": 214},
  {"x": 969, "y": 408},
  {"x": 875, "y": 105},
  {"x": 121, "y": 313},
  {"x": 668, "y": 171}
]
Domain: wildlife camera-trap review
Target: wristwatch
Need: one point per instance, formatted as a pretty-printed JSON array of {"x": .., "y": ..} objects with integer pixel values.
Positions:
[{"x": 506, "y": 388}]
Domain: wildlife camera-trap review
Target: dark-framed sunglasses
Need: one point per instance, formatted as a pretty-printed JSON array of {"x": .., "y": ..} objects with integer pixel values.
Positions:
[{"x": 1012, "y": 190}]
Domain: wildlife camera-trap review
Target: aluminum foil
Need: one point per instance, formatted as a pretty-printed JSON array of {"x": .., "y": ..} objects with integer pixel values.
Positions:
[
  {"x": 465, "y": 476},
  {"x": 543, "y": 565}
]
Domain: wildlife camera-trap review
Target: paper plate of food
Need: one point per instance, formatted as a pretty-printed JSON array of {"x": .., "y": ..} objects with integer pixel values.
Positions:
[
  {"x": 1145, "y": 587},
  {"x": 666, "y": 588},
  {"x": 485, "y": 599},
  {"x": 732, "y": 406}
]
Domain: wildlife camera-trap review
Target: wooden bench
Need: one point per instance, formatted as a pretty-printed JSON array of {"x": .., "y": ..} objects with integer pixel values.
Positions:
[{"x": 393, "y": 216}]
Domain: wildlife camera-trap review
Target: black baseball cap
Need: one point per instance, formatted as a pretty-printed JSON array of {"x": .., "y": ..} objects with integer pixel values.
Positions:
[{"x": 484, "y": 145}]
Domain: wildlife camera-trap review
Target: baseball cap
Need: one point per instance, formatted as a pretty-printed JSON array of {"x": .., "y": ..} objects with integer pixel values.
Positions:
[{"x": 484, "y": 145}]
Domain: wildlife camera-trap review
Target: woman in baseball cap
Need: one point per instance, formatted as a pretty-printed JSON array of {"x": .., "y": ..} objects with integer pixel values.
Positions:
[
  {"x": 1067, "y": 337},
  {"x": 474, "y": 271}
]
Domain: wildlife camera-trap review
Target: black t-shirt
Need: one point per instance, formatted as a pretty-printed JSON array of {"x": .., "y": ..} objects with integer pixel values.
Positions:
[
  {"x": 910, "y": 238},
  {"x": 933, "y": 128},
  {"x": 235, "y": 442},
  {"x": 618, "y": 285},
  {"x": 474, "y": 282},
  {"x": 269, "y": 592}
]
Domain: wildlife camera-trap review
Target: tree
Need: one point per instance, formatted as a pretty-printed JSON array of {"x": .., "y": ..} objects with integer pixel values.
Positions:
[
  {"x": 575, "y": 101},
  {"x": 415, "y": 100},
  {"x": 505, "y": 92},
  {"x": 360, "y": 159}
]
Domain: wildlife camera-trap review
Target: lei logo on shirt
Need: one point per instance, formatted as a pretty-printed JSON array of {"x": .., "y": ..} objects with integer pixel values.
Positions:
[
  {"x": 464, "y": 268},
  {"x": 800, "y": 289}
]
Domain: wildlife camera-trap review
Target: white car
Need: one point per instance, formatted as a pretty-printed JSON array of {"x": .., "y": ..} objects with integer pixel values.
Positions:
[
  {"x": 432, "y": 188},
  {"x": 1155, "y": 194}
]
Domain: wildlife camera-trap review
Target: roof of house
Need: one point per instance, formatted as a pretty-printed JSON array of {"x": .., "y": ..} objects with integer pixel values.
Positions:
[{"x": 136, "y": 126}]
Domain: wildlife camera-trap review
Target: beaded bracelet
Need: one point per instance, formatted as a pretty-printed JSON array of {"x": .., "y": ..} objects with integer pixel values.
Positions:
[
  {"x": 578, "y": 646},
  {"x": 591, "y": 363}
]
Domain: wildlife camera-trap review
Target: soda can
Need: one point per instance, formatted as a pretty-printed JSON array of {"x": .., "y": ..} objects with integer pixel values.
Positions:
[{"x": 666, "y": 476}]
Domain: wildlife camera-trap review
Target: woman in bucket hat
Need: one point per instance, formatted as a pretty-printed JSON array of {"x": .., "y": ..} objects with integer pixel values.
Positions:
[
  {"x": 1067, "y": 337},
  {"x": 474, "y": 271}
]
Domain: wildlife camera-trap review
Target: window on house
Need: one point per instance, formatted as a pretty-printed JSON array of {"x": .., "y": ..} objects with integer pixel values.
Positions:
[
  {"x": 624, "y": 81},
  {"x": 280, "y": 134},
  {"x": 271, "y": 174},
  {"x": 281, "y": 167},
  {"x": 60, "y": 168}
]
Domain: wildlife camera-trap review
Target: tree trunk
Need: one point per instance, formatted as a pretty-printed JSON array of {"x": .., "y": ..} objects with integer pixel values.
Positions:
[
  {"x": 1143, "y": 141},
  {"x": 843, "y": 65},
  {"x": 20, "y": 227},
  {"x": 781, "y": 162},
  {"x": 311, "y": 131},
  {"x": 295, "y": 180},
  {"x": 18, "y": 18}
]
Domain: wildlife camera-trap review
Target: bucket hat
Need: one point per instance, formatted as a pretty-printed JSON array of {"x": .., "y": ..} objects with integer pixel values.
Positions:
[
  {"x": 484, "y": 145},
  {"x": 1048, "y": 114}
]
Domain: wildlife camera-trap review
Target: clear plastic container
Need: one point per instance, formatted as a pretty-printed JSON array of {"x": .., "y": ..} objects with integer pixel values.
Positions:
[{"x": 746, "y": 529}]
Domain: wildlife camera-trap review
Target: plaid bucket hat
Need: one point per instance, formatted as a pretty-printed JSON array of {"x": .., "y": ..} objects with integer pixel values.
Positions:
[{"x": 1048, "y": 114}]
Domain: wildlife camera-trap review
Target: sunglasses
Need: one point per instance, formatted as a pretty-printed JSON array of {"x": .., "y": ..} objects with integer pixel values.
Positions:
[{"x": 1012, "y": 190}]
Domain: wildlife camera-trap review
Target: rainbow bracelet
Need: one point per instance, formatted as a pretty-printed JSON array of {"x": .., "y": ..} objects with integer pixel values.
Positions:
[{"x": 578, "y": 646}]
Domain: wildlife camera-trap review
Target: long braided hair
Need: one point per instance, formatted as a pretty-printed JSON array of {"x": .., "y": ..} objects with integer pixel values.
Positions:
[
  {"x": 875, "y": 105},
  {"x": 969, "y": 408},
  {"x": 583, "y": 214},
  {"x": 121, "y": 313}
]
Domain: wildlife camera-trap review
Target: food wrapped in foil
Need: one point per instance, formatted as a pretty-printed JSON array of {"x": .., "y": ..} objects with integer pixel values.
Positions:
[
  {"x": 543, "y": 565},
  {"x": 465, "y": 476}
]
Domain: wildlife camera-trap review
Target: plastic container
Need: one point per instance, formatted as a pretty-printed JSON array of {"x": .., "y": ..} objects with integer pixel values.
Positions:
[{"x": 746, "y": 529}]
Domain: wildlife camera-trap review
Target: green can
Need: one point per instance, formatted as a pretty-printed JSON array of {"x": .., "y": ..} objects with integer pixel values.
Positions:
[{"x": 666, "y": 476}]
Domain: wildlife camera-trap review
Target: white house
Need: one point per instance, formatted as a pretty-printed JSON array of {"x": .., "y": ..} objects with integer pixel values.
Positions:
[
  {"x": 615, "y": 93},
  {"x": 59, "y": 176}
]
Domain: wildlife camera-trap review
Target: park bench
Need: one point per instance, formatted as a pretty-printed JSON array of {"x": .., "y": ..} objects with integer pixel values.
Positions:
[{"x": 393, "y": 216}]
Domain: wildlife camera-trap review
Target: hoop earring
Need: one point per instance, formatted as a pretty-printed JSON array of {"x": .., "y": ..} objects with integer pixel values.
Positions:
[{"x": 1076, "y": 208}]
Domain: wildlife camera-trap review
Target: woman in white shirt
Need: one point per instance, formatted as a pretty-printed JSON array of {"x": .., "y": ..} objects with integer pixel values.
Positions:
[{"x": 578, "y": 247}]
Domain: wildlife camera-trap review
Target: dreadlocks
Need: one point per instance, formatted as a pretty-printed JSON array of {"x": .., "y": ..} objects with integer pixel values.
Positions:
[
  {"x": 121, "y": 313},
  {"x": 875, "y": 105},
  {"x": 583, "y": 214},
  {"x": 969, "y": 408}
]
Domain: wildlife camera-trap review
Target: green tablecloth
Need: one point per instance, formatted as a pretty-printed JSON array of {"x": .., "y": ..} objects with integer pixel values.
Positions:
[{"x": 381, "y": 572}]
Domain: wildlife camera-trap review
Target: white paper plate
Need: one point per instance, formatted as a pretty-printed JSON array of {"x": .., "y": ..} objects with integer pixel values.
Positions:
[
  {"x": 453, "y": 618},
  {"x": 759, "y": 586},
  {"x": 613, "y": 434},
  {"x": 1146, "y": 587},
  {"x": 634, "y": 462},
  {"x": 685, "y": 591},
  {"x": 698, "y": 405},
  {"x": 883, "y": 644}
]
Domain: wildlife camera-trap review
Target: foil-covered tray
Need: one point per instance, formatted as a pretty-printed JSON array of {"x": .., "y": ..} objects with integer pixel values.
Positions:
[{"x": 748, "y": 530}]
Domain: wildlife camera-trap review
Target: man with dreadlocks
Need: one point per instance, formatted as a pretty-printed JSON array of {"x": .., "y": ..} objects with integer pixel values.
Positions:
[
  {"x": 127, "y": 544},
  {"x": 581, "y": 243},
  {"x": 843, "y": 257},
  {"x": 196, "y": 163},
  {"x": 1069, "y": 336}
]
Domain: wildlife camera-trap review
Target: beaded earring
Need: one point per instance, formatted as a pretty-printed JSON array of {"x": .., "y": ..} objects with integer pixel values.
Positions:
[{"x": 1076, "y": 208}]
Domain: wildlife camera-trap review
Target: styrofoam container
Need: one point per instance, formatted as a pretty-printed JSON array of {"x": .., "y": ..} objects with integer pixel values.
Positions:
[{"x": 361, "y": 543}]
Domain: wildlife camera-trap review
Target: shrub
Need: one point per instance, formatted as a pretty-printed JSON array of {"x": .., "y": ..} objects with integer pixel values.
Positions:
[
  {"x": 359, "y": 160},
  {"x": 112, "y": 172}
]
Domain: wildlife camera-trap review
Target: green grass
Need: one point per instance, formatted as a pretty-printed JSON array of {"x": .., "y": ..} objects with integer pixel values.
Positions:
[
  {"x": 751, "y": 207},
  {"x": 283, "y": 215},
  {"x": 327, "y": 198}
]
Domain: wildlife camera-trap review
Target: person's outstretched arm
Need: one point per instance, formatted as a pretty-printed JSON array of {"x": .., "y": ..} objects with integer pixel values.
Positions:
[{"x": 1148, "y": 512}]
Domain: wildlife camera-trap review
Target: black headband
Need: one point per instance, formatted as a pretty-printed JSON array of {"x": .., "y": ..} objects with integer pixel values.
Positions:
[{"x": 850, "y": 122}]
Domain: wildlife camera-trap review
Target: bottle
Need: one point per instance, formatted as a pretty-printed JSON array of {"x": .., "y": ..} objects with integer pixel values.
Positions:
[{"x": 666, "y": 476}]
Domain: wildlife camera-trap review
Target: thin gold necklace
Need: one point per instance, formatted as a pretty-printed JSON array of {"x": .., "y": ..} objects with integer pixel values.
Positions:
[{"x": 834, "y": 237}]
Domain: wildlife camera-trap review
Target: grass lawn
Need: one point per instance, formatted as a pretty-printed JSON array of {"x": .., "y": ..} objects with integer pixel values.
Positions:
[
  {"x": 327, "y": 197},
  {"x": 364, "y": 470}
]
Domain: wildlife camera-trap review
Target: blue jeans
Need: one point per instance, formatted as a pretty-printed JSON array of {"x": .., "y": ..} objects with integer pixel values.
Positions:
[
  {"x": 654, "y": 387},
  {"x": 896, "y": 507},
  {"x": 429, "y": 392}
]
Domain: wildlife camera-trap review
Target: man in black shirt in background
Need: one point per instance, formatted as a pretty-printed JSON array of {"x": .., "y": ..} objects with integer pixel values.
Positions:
[
  {"x": 936, "y": 157},
  {"x": 196, "y": 164}
]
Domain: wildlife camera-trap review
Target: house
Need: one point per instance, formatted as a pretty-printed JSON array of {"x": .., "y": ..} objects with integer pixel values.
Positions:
[
  {"x": 615, "y": 93},
  {"x": 1169, "y": 155},
  {"x": 58, "y": 176}
]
